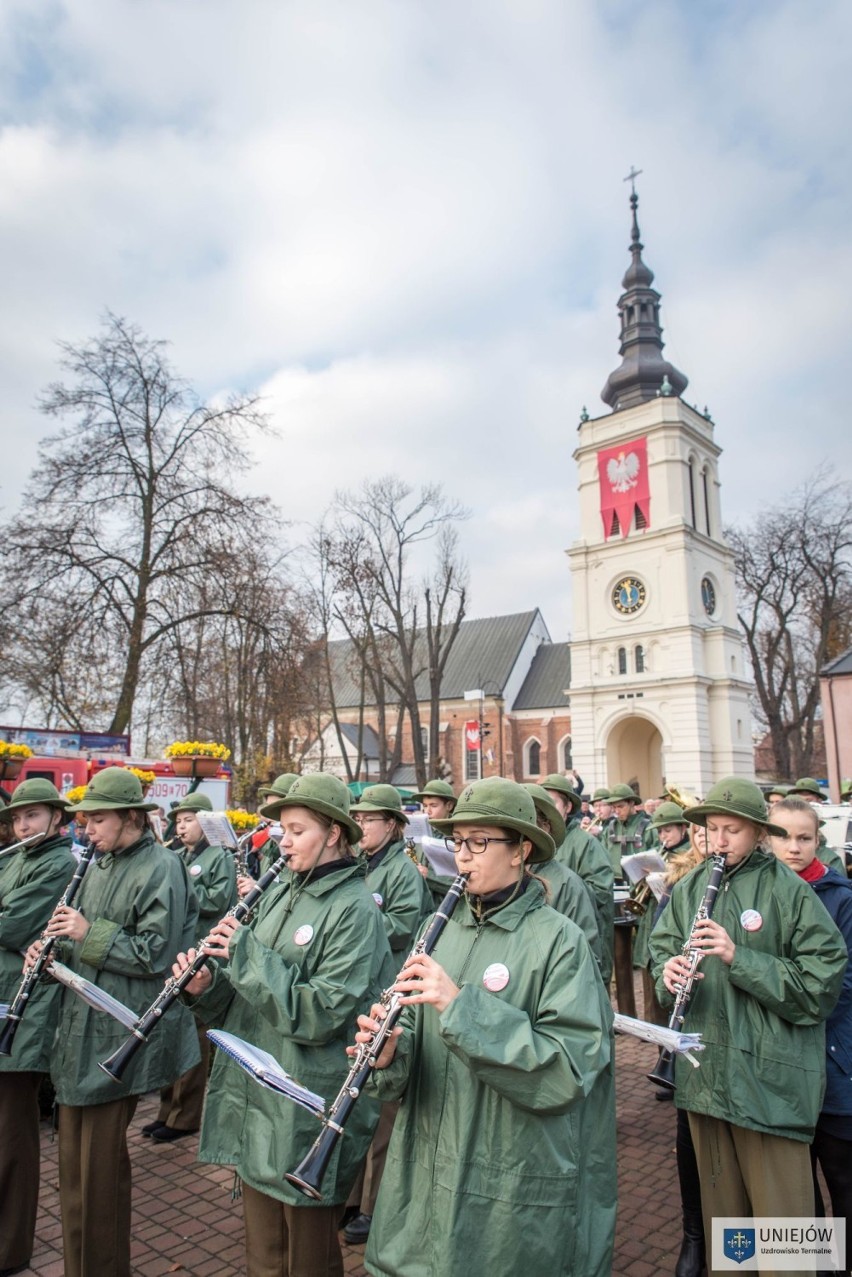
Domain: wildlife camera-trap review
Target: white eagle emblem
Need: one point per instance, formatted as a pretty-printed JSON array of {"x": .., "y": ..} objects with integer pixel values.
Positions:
[{"x": 623, "y": 472}]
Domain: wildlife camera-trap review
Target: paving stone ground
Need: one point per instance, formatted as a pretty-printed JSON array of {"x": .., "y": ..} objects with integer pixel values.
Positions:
[{"x": 185, "y": 1222}]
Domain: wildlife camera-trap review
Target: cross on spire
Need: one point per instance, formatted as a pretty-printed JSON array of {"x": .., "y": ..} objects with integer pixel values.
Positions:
[{"x": 632, "y": 176}]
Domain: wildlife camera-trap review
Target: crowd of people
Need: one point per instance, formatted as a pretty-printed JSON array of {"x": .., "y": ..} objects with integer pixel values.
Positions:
[{"x": 484, "y": 1139}]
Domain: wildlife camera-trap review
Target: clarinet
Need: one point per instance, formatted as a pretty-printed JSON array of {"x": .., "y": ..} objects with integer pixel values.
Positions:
[
  {"x": 663, "y": 1073},
  {"x": 116, "y": 1064},
  {"x": 308, "y": 1175},
  {"x": 21, "y": 999}
]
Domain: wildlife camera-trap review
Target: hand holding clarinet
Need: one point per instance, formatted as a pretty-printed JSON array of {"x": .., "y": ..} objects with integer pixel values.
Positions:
[{"x": 421, "y": 980}]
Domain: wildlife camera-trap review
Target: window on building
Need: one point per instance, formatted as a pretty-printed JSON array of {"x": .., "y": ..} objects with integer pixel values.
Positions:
[
  {"x": 615, "y": 526},
  {"x": 641, "y": 521},
  {"x": 471, "y": 764},
  {"x": 692, "y": 492},
  {"x": 424, "y": 743},
  {"x": 639, "y": 658},
  {"x": 565, "y": 753},
  {"x": 622, "y": 660},
  {"x": 706, "y": 500},
  {"x": 533, "y": 752}
]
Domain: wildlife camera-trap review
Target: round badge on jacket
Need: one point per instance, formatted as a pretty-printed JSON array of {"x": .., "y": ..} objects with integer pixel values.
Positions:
[
  {"x": 304, "y": 934},
  {"x": 751, "y": 920},
  {"x": 378, "y": 899},
  {"x": 195, "y": 870},
  {"x": 496, "y": 977}
]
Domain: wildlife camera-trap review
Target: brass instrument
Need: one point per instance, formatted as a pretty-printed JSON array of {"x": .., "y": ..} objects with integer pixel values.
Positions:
[
  {"x": 663, "y": 1073},
  {"x": 637, "y": 903},
  {"x": 411, "y": 850},
  {"x": 25, "y": 842},
  {"x": 682, "y": 797}
]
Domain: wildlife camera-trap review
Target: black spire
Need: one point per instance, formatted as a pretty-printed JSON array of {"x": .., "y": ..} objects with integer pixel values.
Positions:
[{"x": 643, "y": 368}]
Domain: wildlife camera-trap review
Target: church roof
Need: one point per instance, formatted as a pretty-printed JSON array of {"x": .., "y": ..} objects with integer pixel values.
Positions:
[
  {"x": 841, "y": 664},
  {"x": 546, "y": 684},
  {"x": 643, "y": 373},
  {"x": 369, "y": 738},
  {"x": 484, "y": 654}
]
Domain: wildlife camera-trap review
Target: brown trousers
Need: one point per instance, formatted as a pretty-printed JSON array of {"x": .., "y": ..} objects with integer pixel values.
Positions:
[
  {"x": 745, "y": 1173},
  {"x": 94, "y": 1188},
  {"x": 290, "y": 1241},
  {"x": 19, "y": 1166},
  {"x": 182, "y": 1103},
  {"x": 365, "y": 1190}
]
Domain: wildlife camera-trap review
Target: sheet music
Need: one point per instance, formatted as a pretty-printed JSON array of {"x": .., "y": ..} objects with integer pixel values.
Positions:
[
  {"x": 91, "y": 994},
  {"x": 266, "y": 1070},
  {"x": 681, "y": 1043},
  {"x": 217, "y": 829},
  {"x": 641, "y": 864},
  {"x": 441, "y": 860}
]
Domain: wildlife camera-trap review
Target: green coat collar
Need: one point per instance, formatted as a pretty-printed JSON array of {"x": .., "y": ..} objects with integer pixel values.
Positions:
[{"x": 510, "y": 917}]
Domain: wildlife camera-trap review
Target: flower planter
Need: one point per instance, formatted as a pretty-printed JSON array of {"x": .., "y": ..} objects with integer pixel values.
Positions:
[
  {"x": 195, "y": 765},
  {"x": 10, "y": 768}
]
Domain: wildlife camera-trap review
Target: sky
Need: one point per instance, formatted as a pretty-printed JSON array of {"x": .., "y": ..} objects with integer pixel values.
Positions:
[{"x": 404, "y": 224}]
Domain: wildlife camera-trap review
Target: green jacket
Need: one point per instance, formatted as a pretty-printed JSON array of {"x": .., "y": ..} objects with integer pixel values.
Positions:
[
  {"x": 625, "y": 838},
  {"x": 830, "y": 856},
  {"x": 31, "y": 883},
  {"x": 213, "y": 878},
  {"x": 502, "y": 1158},
  {"x": 762, "y": 1018},
  {"x": 142, "y": 914},
  {"x": 587, "y": 856},
  {"x": 400, "y": 891},
  {"x": 570, "y": 897},
  {"x": 299, "y": 1001},
  {"x": 642, "y": 934}
]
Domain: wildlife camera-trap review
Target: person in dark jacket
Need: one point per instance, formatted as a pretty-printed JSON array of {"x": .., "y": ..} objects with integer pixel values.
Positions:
[
  {"x": 32, "y": 880},
  {"x": 831, "y": 1150}
]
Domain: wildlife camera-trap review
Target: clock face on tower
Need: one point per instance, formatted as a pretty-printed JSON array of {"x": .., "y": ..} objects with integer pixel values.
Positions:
[
  {"x": 628, "y": 595},
  {"x": 708, "y": 596}
]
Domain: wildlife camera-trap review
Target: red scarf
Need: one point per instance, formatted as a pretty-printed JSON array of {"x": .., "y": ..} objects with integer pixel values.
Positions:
[{"x": 815, "y": 870}]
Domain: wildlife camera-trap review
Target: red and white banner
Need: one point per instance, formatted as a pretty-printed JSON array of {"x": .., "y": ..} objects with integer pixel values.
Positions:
[
  {"x": 623, "y": 473},
  {"x": 471, "y": 736}
]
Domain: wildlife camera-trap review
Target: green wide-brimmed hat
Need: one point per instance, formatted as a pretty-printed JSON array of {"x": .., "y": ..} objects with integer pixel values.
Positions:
[
  {"x": 623, "y": 794},
  {"x": 280, "y": 787},
  {"x": 436, "y": 789},
  {"x": 193, "y": 802},
  {"x": 734, "y": 796},
  {"x": 546, "y": 807},
  {"x": 600, "y": 796},
  {"x": 33, "y": 792},
  {"x": 783, "y": 790},
  {"x": 563, "y": 786},
  {"x": 807, "y": 785},
  {"x": 500, "y": 802},
  {"x": 381, "y": 798},
  {"x": 668, "y": 814},
  {"x": 114, "y": 789},
  {"x": 321, "y": 793}
]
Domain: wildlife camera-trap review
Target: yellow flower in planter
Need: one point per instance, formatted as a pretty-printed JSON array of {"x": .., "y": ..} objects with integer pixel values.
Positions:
[
  {"x": 145, "y": 778},
  {"x": 241, "y": 820},
  {"x": 197, "y": 749},
  {"x": 9, "y": 750},
  {"x": 75, "y": 795}
]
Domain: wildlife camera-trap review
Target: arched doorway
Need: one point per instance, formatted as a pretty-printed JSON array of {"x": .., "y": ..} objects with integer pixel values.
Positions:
[{"x": 634, "y": 755}]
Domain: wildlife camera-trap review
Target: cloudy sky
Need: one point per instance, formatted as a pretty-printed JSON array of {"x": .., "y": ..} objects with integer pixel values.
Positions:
[{"x": 405, "y": 224}]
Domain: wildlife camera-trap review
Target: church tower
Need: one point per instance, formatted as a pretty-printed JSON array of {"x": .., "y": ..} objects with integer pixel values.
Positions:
[{"x": 659, "y": 689}]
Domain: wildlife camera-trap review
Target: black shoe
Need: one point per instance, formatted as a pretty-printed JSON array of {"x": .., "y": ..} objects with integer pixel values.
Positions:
[
  {"x": 349, "y": 1213},
  {"x": 358, "y": 1231},
  {"x": 168, "y": 1134},
  {"x": 691, "y": 1262},
  {"x": 18, "y": 1268},
  {"x": 148, "y": 1131}
]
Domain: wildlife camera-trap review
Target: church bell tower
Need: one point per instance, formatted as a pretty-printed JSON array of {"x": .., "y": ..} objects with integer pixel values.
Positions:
[{"x": 659, "y": 689}]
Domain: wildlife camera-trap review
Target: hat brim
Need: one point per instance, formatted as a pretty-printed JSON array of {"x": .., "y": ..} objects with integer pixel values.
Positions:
[
  {"x": 575, "y": 799},
  {"x": 544, "y": 847},
  {"x": 396, "y": 812},
  {"x": 333, "y": 813},
  {"x": 6, "y": 812},
  {"x": 551, "y": 813},
  {"x": 107, "y": 804},
  {"x": 428, "y": 793},
  {"x": 698, "y": 816}
]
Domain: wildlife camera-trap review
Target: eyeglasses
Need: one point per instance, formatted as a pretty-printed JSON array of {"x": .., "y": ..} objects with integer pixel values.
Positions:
[
  {"x": 371, "y": 820},
  {"x": 475, "y": 846}
]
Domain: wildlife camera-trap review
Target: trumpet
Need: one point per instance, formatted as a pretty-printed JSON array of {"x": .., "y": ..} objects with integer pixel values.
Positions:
[
  {"x": 682, "y": 797},
  {"x": 663, "y": 1072},
  {"x": 637, "y": 903},
  {"x": 115, "y": 1065},
  {"x": 308, "y": 1175},
  {"x": 21, "y": 999}
]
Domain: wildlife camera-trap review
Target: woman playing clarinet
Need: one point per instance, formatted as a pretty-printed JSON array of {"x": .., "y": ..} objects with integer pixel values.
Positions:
[{"x": 502, "y": 1159}]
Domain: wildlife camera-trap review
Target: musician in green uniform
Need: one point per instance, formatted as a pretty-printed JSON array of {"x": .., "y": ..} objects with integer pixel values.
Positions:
[
  {"x": 566, "y": 891},
  {"x": 213, "y": 876},
  {"x": 32, "y": 880},
  {"x": 134, "y": 911},
  {"x": 672, "y": 829},
  {"x": 502, "y": 1159},
  {"x": 629, "y": 831},
  {"x": 772, "y": 969},
  {"x": 437, "y": 800},
  {"x": 291, "y": 982},
  {"x": 404, "y": 900},
  {"x": 580, "y": 851}
]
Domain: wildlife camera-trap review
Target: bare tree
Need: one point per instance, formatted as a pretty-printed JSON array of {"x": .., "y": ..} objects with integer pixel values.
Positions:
[
  {"x": 794, "y": 585},
  {"x": 129, "y": 509}
]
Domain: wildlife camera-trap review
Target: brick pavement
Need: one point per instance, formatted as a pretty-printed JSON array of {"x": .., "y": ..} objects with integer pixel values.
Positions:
[{"x": 185, "y": 1222}]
